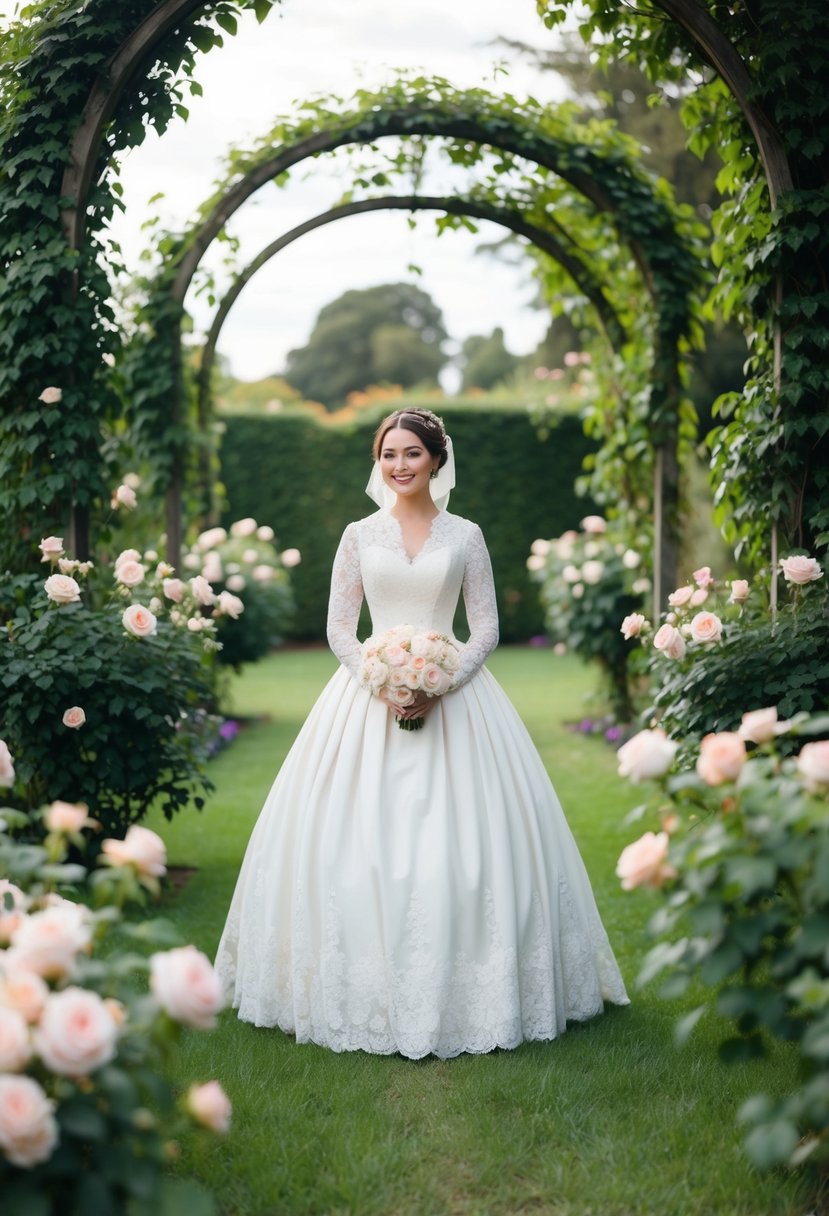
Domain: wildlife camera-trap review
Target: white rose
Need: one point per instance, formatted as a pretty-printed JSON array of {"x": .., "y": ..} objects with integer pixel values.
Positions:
[
  {"x": 76, "y": 1033},
  {"x": 68, "y": 565},
  {"x": 62, "y": 589},
  {"x": 740, "y": 591},
  {"x": 211, "y": 538},
  {"x": 124, "y": 496},
  {"x": 262, "y": 574},
  {"x": 139, "y": 621},
  {"x": 51, "y": 395},
  {"x": 631, "y": 559},
  {"x": 236, "y": 582},
  {"x": 210, "y": 1106},
  {"x": 264, "y": 533},
  {"x": 6, "y": 766},
  {"x": 141, "y": 848},
  {"x": 571, "y": 574},
  {"x": 540, "y": 547},
  {"x": 186, "y": 986},
  {"x": 647, "y": 755},
  {"x": 229, "y": 605},
  {"x": 51, "y": 547},
  {"x": 74, "y": 717},
  {"x": 290, "y": 557},
  {"x": 535, "y": 562},
  {"x": 28, "y": 1131},
  {"x": 592, "y": 572},
  {"x": 127, "y": 555},
  {"x": 201, "y": 590},
  {"x": 593, "y": 523},
  {"x": 800, "y": 569},
  {"x": 243, "y": 527}
]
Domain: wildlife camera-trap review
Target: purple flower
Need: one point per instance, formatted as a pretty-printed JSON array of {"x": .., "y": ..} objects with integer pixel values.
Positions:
[
  {"x": 228, "y": 730},
  {"x": 613, "y": 734}
]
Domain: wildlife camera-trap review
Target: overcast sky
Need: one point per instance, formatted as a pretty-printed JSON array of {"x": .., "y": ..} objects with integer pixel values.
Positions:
[{"x": 319, "y": 46}]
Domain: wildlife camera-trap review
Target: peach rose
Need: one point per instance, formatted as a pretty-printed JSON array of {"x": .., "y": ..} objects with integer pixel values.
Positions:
[
  {"x": 594, "y": 524},
  {"x": 51, "y": 395},
  {"x": 15, "y": 1047},
  {"x": 400, "y": 695},
  {"x": 229, "y": 605},
  {"x": 721, "y": 757},
  {"x": 139, "y": 621},
  {"x": 186, "y": 986},
  {"x": 24, "y": 991},
  {"x": 706, "y": 627},
  {"x": 202, "y": 591},
  {"x": 74, "y": 717},
  {"x": 290, "y": 558},
  {"x": 76, "y": 1034},
  {"x": 702, "y": 577},
  {"x": 813, "y": 766},
  {"x": 140, "y": 848},
  {"x": 173, "y": 589},
  {"x": 645, "y": 862},
  {"x": 680, "y": 597},
  {"x": 647, "y": 755},
  {"x": 243, "y": 527},
  {"x": 633, "y": 625},
  {"x": 49, "y": 940},
  {"x": 62, "y": 589},
  {"x": 435, "y": 681},
  {"x": 210, "y": 1106},
  {"x": 6, "y": 766},
  {"x": 740, "y": 591},
  {"x": 124, "y": 496},
  {"x": 670, "y": 641},
  {"x": 28, "y": 1131},
  {"x": 800, "y": 569},
  {"x": 130, "y": 573},
  {"x": 761, "y": 725},
  {"x": 52, "y": 548},
  {"x": 66, "y": 817}
]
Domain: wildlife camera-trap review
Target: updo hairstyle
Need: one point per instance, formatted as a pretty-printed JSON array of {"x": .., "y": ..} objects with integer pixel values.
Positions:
[{"x": 423, "y": 423}]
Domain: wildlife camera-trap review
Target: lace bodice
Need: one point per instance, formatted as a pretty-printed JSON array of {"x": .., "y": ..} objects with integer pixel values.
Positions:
[{"x": 371, "y": 561}]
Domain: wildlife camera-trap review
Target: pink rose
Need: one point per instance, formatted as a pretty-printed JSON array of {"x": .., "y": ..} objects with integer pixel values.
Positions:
[
  {"x": 645, "y": 862},
  {"x": 633, "y": 625},
  {"x": 721, "y": 757},
  {"x": 66, "y": 817},
  {"x": 740, "y": 591},
  {"x": 702, "y": 577},
  {"x": 62, "y": 589},
  {"x": 139, "y": 621},
  {"x": 15, "y": 1048},
  {"x": 761, "y": 725},
  {"x": 243, "y": 527},
  {"x": 76, "y": 1034},
  {"x": 680, "y": 597},
  {"x": 290, "y": 557},
  {"x": 51, "y": 395},
  {"x": 435, "y": 681},
  {"x": 800, "y": 569},
  {"x": 698, "y": 597},
  {"x": 210, "y": 1106},
  {"x": 396, "y": 656},
  {"x": 140, "y": 848},
  {"x": 130, "y": 573},
  {"x": 202, "y": 591},
  {"x": 593, "y": 523},
  {"x": 74, "y": 717},
  {"x": 229, "y": 605},
  {"x": 127, "y": 555},
  {"x": 706, "y": 627},
  {"x": 49, "y": 940},
  {"x": 813, "y": 766},
  {"x": 24, "y": 991},
  {"x": 647, "y": 755},
  {"x": 52, "y": 548},
  {"x": 124, "y": 496},
  {"x": 173, "y": 589},
  {"x": 670, "y": 641},
  {"x": 211, "y": 538},
  {"x": 28, "y": 1131},
  {"x": 6, "y": 766},
  {"x": 186, "y": 986}
]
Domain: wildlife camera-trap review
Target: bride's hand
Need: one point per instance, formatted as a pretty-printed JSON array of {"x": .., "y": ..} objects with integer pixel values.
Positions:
[{"x": 419, "y": 708}]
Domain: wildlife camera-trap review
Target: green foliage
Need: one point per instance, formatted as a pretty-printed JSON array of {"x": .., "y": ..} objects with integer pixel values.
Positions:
[
  {"x": 392, "y": 333},
  {"x": 486, "y": 361},
  {"x": 746, "y": 911},
  {"x": 308, "y": 477}
]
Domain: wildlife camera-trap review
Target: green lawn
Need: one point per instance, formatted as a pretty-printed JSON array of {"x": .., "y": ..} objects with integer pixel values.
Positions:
[{"x": 609, "y": 1120}]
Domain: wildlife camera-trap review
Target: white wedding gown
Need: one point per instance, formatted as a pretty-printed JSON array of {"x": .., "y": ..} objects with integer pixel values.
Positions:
[{"x": 415, "y": 891}]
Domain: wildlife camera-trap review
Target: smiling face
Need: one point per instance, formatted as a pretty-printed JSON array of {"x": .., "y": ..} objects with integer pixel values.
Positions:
[{"x": 405, "y": 463}]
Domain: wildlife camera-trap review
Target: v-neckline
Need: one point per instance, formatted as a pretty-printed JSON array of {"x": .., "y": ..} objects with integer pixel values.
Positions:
[{"x": 411, "y": 558}]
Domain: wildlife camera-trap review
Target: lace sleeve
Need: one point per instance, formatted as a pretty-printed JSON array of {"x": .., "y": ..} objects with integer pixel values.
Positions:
[
  {"x": 345, "y": 601},
  {"x": 481, "y": 608}
]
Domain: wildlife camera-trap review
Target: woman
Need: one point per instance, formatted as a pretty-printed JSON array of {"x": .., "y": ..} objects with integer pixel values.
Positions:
[{"x": 414, "y": 891}]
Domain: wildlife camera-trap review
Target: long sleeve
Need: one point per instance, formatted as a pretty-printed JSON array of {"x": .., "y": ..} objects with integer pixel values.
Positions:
[
  {"x": 345, "y": 602},
  {"x": 481, "y": 608}
]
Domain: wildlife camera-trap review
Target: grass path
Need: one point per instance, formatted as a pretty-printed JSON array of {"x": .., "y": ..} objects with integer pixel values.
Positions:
[{"x": 609, "y": 1120}]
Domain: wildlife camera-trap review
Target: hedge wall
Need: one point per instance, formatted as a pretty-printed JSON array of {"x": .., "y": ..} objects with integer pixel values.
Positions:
[{"x": 306, "y": 479}]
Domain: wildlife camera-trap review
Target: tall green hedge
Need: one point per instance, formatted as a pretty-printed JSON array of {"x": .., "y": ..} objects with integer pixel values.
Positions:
[{"x": 307, "y": 479}]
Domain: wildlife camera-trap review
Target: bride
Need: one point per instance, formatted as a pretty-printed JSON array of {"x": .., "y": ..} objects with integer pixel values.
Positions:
[{"x": 414, "y": 891}]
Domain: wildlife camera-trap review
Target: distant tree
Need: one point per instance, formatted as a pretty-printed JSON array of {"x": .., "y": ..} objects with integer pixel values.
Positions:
[
  {"x": 486, "y": 362},
  {"x": 393, "y": 333}
]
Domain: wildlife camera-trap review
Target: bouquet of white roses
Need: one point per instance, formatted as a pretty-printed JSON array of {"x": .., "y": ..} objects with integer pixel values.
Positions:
[{"x": 405, "y": 661}]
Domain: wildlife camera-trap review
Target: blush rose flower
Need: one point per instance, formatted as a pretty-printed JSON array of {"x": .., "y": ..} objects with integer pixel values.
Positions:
[
  {"x": 51, "y": 547},
  {"x": 141, "y": 848},
  {"x": 76, "y": 1034},
  {"x": 186, "y": 986},
  {"x": 66, "y": 817},
  {"x": 15, "y": 1044},
  {"x": 262, "y": 573},
  {"x": 740, "y": 591},
  {"x": 290, "y": 557},
  {"x": 51, "y": 395},
  {"x": 706, "y": 627},
  {"x": 434, "y": 680},
  {"x": 670, "y": 641},
  {"x": 127, "y": 555},
  {"x": 592, "y": 572},
  {"x": 721, "y": 757},
  {"x": 49, "y": 940},
  {"x": 761, "y": 725},
  {"x": 236, "y": 582},
  {"x": 6, "y": 766},
  {"x": 24, "y": 991},
  {"x": 264, "y": 532},
  {"x": 540, "y": 547},
  {"x": 62, "y": 589},
  {"x": 28, "y": 1131},
  {"x": 210, "y": 1106},
  {"x": 593, "y": 523},
  {"x": 680, "y": 597},
  {"x": 535, "y": 562},
  {"x": 649, "y": 754},
  {"x": 703, "y": 577},
  {"x": 202, "y": 591},
  {"x": 633, "y": 625},
  {"x": 211, "y": 538},
  {"x": 74, "y": 717},
  {"x": 645, "y": 862},
  {"x": 174, "y": 589},
  {"x": 124, "y": 496},
  {"x": 631, "y": 559},
  {"x": 229, "y": 605},
  {"x": 139, "y": 621},
  {"x": 130, "y": 573},
  {"x": 813, "y": 766},
  {"x": 243, "y": 527},
  {"x": 800, "y": 569}
]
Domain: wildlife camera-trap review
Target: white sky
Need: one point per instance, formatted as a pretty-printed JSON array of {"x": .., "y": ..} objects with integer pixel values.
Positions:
[{"x": 319, "y": 46}]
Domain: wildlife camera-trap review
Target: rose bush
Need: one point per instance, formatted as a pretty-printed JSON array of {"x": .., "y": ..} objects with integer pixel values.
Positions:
[
  {"x": 741, "y": 859},
  {"x": 87, "y": 1120}
]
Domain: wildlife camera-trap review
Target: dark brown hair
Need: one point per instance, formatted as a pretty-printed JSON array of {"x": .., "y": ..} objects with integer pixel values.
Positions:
[{"x": 423, "y": 423}]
